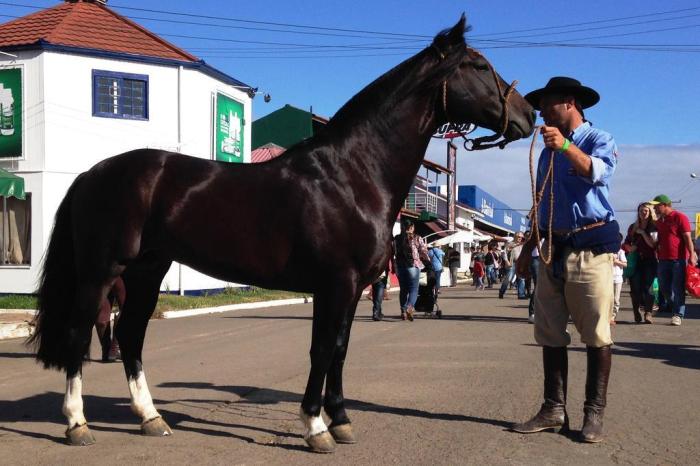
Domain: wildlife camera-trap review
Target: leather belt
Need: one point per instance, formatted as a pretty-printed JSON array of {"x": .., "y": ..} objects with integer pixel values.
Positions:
[{"x": 590, "y": 226}]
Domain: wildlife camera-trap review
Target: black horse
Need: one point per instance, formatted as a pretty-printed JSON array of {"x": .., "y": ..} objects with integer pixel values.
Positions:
[{"x": 317, "y": 219}]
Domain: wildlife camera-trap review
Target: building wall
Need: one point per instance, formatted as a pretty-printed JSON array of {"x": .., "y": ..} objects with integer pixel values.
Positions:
[
  {"x": 284, "y": 127},
  {"x": 62, "y": 138},
  {"x": 494, "y": 210}
]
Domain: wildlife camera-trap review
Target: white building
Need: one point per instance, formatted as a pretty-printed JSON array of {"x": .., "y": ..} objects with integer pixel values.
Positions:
[{"x": 87, "y": 84}]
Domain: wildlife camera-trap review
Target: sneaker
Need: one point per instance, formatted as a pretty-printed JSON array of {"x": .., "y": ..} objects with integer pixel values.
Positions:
[
  {"x": 531, "y": 318},
  {"x": 676, "y": 320}
]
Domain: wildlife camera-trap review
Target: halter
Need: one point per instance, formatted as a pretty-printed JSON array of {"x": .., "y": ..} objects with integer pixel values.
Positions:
[{"x": 485, "y": 142}]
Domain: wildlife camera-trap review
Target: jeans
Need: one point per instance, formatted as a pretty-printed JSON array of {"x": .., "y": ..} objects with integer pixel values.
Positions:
[
  {"x": 378, "y": 288},
  {"x": 534, "y": 268},
  {"x": 671, "y": 274},
  {"x": 491, "y": 275},
  {"x": 408, "y": 286},
  {"x": 509, "y": 272},
  {"x": 641, "y": 282}
]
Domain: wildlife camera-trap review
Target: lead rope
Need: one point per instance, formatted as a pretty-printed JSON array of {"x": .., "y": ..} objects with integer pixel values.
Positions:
[{"x": 537, "y": 198}]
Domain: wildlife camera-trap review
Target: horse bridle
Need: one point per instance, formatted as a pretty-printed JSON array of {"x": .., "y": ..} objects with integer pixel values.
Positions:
[{"x": 485, "y": 142}]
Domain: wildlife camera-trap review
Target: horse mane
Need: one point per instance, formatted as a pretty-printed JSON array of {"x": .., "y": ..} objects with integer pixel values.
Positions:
[{"x": 448, "y": 47}]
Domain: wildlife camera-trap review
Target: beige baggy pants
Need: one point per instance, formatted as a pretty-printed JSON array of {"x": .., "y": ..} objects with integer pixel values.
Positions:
[{"x": 584, "y": 292}]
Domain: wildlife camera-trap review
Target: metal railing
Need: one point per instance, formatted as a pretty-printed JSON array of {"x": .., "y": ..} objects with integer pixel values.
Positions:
[{"x": 420, "y": 201}]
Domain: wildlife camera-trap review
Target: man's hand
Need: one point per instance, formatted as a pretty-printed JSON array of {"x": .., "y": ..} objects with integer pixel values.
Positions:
[
  {"x": 694, "y": 259},
  {"x": 552, "y": 137}
]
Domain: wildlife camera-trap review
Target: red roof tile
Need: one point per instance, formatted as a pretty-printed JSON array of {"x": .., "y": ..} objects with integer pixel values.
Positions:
[
  {"x": 86, "y": 24},
  {"x": 266, "y": 152}
]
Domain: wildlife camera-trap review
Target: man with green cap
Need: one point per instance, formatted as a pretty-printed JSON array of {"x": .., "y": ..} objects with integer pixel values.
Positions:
[
  {"x": 674, "y": 247},
  {"x": 577, "y": 283}
]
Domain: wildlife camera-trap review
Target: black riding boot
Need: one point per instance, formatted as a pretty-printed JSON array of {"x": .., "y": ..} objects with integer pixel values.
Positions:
[
  {"x": 552, "y": 414},
  {"x": 104, "y": 331},
  {"x": 599, "y": 360}
]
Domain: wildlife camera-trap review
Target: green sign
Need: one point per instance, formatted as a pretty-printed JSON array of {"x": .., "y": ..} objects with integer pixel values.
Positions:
[
  {"x": 10, "y": 112},
  {"x": 228, "y": 122}
]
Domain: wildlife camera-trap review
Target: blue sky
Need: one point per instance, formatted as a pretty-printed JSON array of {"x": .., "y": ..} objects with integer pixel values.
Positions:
[{"x": 649, "y": 98}]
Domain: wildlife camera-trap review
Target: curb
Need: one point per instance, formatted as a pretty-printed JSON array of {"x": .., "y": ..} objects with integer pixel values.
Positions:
[
  {"x": 15, "y": 330},
  {"x": 233, "y": 307},
  {"x": 24, "y": 329}
]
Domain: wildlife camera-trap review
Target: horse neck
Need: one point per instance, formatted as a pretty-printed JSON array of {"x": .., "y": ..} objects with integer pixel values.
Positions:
[{"x": 390, "y": 142}]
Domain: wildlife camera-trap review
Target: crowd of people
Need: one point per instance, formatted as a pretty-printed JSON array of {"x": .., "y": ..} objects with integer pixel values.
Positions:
[{"x": 658, "y": 248}]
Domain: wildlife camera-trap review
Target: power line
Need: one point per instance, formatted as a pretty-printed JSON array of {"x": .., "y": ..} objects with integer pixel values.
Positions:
[{"x": 587, "y": 22}]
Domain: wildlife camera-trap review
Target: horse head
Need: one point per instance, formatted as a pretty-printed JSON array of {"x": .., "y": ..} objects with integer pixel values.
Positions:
[{"x": 475, "y": 93}]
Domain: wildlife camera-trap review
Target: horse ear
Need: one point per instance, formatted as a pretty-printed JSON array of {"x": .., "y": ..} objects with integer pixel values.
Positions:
[
  {"x": 451, "y": 37},
  {"x": 456, "y": 34}
]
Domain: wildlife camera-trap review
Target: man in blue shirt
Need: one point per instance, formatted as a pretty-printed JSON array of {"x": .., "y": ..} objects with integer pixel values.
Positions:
[{"x": 575, "y": 271}]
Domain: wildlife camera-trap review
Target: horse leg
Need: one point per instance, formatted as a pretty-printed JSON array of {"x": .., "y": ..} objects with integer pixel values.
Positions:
[
  {"x": 334, "y": 401},
  {"x": 89, "y": 297},
  {"x": 142, "y": 282},
  {"x": 330, "y": 307}
]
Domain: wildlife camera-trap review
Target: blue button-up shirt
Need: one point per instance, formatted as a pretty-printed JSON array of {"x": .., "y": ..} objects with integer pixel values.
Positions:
[{"x": 579, "y": 200}]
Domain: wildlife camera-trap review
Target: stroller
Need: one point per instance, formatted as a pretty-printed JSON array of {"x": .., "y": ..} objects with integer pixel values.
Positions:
[{"x": 427, "y": 301}]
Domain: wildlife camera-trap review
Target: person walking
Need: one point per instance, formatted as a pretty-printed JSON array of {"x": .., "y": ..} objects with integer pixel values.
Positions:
[
  {"x": 410, "y": 253},
  {"x": 490, "y": 262},
  {"x": 436, "y": 256},
  {"x": 641, "y": 240},
  {"x": 479, "y": 273},
  {"x": 379, "y": 288},
  {"x": 674, "y": 248},
  {"x": 508, "y": 259},
  {"x": 619, "y": 263},
  {"x": 577, "y": 283},
  {"x": 453, "y": 262}
]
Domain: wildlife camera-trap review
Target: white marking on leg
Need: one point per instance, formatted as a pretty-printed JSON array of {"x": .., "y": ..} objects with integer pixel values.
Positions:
[
  {"x": 141, "y": 401},
  {"x": 314, "y": 425},
  {"x": 73, "y": 402}
]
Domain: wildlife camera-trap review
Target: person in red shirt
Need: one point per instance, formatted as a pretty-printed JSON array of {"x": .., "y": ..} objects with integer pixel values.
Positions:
[
  {"x": 673, "y": 249},
  {"x": 479, "y": 272}
]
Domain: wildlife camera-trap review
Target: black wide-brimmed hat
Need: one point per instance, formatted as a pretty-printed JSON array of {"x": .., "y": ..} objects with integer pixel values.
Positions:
[{"x": 585, "y": 96}]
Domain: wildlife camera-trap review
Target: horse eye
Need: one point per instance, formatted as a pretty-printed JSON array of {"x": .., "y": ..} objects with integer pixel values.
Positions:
[{"x": 480, "y": 66}]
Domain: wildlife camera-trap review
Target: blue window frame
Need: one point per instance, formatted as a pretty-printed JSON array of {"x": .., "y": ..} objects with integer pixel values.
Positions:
[{"x": 119, "y": 95}]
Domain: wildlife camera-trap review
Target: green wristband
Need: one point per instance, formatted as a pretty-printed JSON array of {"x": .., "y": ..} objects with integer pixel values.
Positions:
[{"x": 565, "y": 146}]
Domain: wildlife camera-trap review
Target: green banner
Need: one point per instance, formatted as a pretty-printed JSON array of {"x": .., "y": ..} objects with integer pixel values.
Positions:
[
  {"x": 228, "y": 121},
  {"x": 10, "y": 112}
]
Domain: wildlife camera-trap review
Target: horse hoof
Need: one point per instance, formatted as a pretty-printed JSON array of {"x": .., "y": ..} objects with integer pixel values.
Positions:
[
  {"x": 343, "y": 433},
  {"x": 156, "y": 427},
  {"x": 79, "y": 436},
  {"x": 321, "y": 443}
]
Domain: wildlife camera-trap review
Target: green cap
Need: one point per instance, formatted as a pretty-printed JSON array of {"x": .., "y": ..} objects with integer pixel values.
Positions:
[{"x": 661, "y": 199}]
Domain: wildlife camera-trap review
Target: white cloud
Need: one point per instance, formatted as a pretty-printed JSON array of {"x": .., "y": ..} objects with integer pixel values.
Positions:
[{"x": 642, "y": 173}]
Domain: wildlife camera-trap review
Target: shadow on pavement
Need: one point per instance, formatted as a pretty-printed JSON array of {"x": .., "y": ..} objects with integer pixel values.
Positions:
[
  {"x": 266, "y": 396},
  {"x": 114, "y": 412},
  {"x": 685, "y": 356},
  {"x": 17, "y": 355}
]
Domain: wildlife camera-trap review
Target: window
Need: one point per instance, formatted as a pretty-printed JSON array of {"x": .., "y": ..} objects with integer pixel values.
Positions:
[
  {"x": 119, "y": 95},
  {"x": 15, "y": 231}
]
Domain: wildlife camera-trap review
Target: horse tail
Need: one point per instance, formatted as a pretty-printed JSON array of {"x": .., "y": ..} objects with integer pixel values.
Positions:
[{"x": 53, "y": 338}]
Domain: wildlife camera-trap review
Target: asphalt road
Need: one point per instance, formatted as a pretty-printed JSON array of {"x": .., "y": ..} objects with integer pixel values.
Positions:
[{"x": 428, "y": 392}]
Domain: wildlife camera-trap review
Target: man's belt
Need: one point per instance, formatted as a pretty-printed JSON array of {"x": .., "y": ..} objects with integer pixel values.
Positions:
[{"x": 590, "y": 226}]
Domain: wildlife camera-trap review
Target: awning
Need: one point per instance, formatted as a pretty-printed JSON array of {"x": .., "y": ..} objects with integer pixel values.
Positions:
[
  {"x": 11, "y": 185},
  {"x": 461, "y": 236}
]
